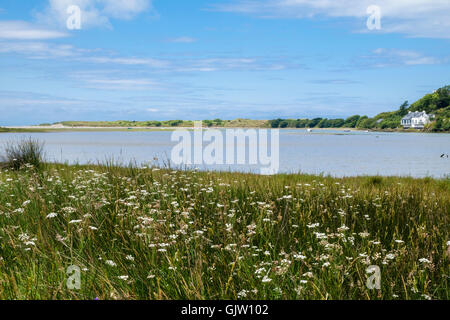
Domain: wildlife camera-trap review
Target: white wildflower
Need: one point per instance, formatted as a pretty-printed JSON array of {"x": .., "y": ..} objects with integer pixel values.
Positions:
[
  {"x": 110, "y": 263},
  {"x": 390, "y": 256},
  {"x": 242, "y": 294},
  {"x": 424, "y": 260}
]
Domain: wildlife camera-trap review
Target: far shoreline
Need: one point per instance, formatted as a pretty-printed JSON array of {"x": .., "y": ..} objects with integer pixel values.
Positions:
[{"x": 59, "y": 128}]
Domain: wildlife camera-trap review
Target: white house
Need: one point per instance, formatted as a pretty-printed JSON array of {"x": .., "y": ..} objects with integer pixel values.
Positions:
[{"x": 416, "y": 120}]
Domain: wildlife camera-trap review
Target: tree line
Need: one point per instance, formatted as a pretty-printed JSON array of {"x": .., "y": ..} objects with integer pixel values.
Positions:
[{"x": 436, "y": 104}]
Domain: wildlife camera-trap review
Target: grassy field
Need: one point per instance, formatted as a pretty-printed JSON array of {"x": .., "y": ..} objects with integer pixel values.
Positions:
[{"x": 162, "y": 234}]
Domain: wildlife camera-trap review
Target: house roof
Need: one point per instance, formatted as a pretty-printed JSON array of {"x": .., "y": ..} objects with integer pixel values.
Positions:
[{"x": 416, "y": 114}]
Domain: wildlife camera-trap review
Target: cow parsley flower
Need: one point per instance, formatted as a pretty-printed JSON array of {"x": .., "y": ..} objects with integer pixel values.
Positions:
[{"x": 111, "y": 263}]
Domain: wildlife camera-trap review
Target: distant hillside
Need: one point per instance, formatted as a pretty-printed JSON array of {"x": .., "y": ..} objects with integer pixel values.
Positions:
[
  {"x": 243, "y": 123},
  {"x": 436, "y": 103}
]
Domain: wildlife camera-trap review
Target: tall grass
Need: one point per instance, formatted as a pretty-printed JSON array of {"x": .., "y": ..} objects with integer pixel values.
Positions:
[
  {"x": 25, "y": 152},
  {"x": 165, "y": 234}
]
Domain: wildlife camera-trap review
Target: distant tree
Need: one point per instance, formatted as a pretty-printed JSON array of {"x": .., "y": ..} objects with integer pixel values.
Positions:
[
  {"x": 403, "y": 111},
  {"x": 208, "y": 123},
  {"x": 361, "y": 120},
  {"x": 446, "y": 125},
  {"x": 275, "y": 123},
  {"x": 175, "y": 123},
  {"x": 314, "y": 122},
  {"x": 443, "y": 98},
  {"x": 337, "y": 123},
  {"x": 367, "y": 123},
  {"x": 351, "y": 122},
  {"x": 438, "y": 125},
  {"x": 324, "y": 123},
  {"x": 284, "y": 124},
  {"x": 301, "y": 123}
]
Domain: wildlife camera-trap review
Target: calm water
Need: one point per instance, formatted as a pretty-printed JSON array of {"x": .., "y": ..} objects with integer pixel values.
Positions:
[{"x": 327, "y": 152}]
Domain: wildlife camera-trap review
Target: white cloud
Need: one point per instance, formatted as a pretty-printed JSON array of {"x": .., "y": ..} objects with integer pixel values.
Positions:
[
  {"x": 417, "y": 18},
  {"x": 109, "y": 80},
  {"x": 182, "y": 40},
  {"x": 120, "y": 84},
  {"x": 177, "y": 64},
  {"x": 20, "y": 30},
  {"x": 393, "y": 57},
  {"x": 125, "y": 9},
  {"x": 94, "y": 13},
  {"x": 149, "y": 62},
  {"x": 39, "y": 50}
]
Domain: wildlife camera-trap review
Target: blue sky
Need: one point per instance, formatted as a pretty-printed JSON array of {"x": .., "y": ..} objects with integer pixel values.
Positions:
[{"x": 198, "y": 59}]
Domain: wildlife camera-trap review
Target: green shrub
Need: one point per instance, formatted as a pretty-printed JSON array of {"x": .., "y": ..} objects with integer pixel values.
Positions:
[
  {"x": 24, "y": 152},
  {"x": 375, "y": 181}
]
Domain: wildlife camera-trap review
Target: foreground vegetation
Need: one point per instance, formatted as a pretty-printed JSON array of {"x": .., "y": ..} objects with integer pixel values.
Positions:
[
  {"x": 143, "y": 233},
  {"x": 19, "y": 154}
]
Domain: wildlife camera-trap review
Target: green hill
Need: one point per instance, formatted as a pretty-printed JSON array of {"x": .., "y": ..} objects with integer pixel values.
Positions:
[{"x": 436, "y": 104}]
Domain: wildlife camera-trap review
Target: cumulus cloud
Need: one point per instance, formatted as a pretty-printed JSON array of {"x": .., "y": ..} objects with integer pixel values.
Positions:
[
  {"x": 417, "y": 18},
  {"x": 94, "y": 13}
]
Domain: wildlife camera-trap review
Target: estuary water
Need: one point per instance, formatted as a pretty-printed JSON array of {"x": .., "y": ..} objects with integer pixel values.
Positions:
[{"x": 327, "y": 152}]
